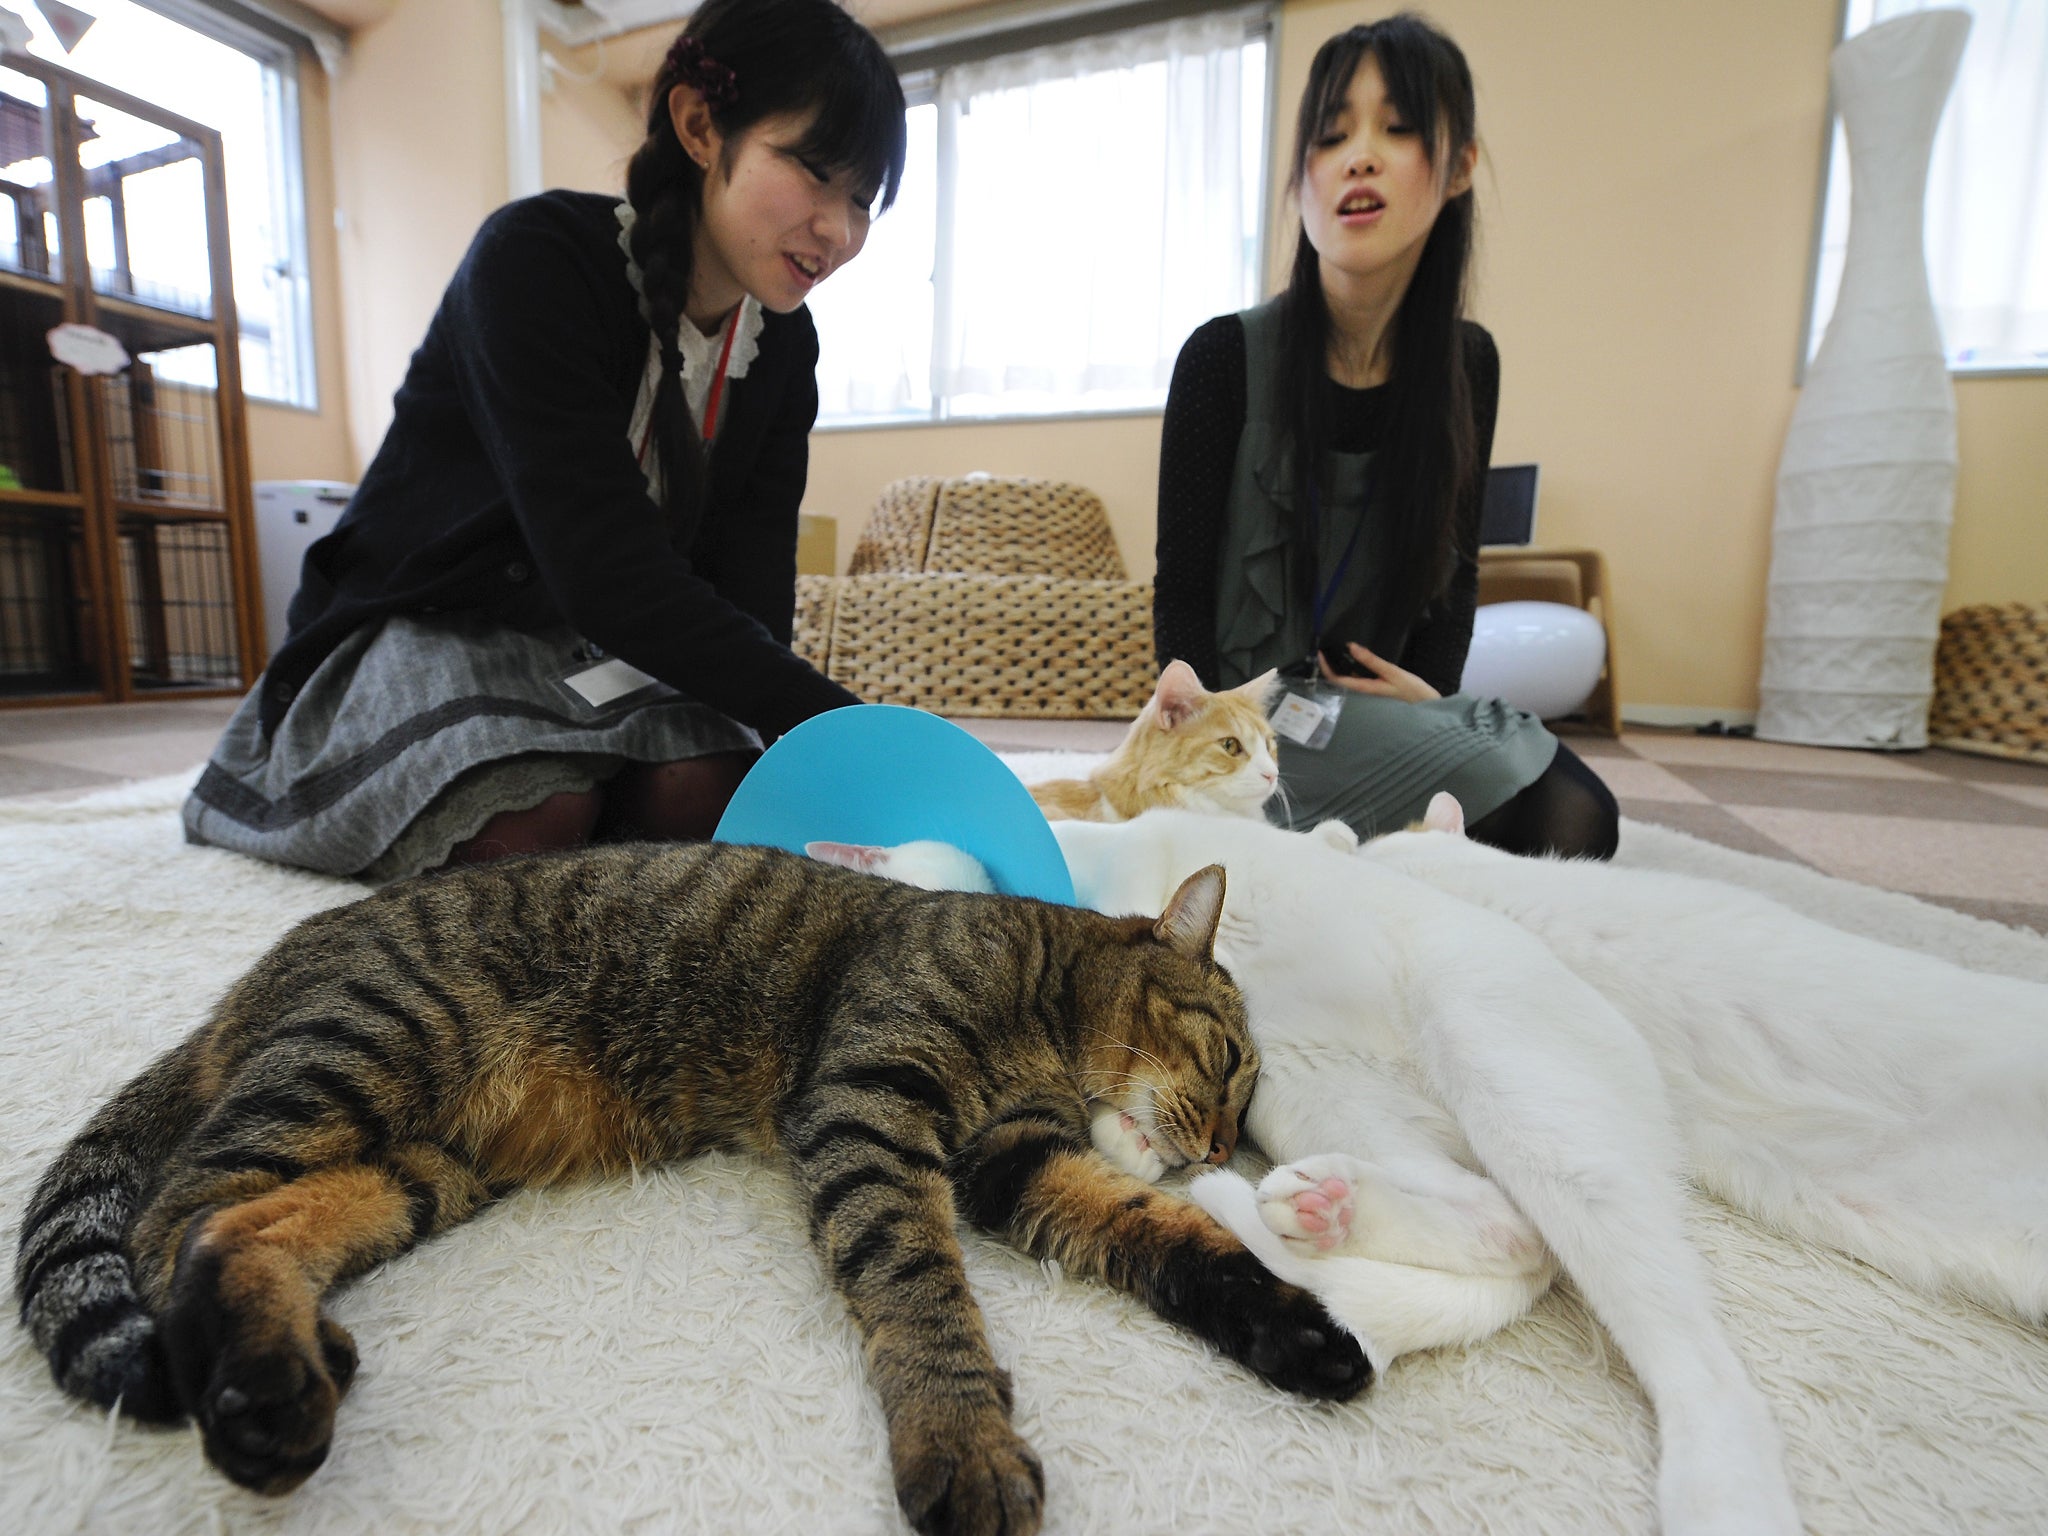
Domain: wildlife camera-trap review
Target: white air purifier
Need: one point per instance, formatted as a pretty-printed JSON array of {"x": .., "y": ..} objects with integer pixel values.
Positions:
[{"x": 290, "y": 515}]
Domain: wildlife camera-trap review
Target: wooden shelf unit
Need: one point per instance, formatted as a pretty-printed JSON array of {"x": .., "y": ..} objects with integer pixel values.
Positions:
[{"x": 127, "y": 538}]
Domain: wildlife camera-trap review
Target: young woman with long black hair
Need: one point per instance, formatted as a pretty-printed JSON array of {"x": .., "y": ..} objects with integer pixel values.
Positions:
[
  {"x": 1322, "y": 463},
  {"x": 559, "y": 605}
]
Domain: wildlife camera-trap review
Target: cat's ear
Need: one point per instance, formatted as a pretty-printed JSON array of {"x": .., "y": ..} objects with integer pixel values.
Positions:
[
  {"x": 1444, "y": 814},
  {"x": 1178, "y": 696},
  {"x": 850, "y": 855},
  {"x": 1263, "y": 689},
  {"x": 1189, "y": 922}
]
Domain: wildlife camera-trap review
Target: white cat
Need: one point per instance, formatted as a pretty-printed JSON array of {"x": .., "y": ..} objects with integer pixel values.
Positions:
[
  {"x": 1412, "y": 1045},
  {"x": 928, "y": 865},
  {"x": 1883, "y": 1102}
]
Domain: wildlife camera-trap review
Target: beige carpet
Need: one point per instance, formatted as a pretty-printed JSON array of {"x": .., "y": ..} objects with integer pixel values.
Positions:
[{"x": 662, "y": 1354}]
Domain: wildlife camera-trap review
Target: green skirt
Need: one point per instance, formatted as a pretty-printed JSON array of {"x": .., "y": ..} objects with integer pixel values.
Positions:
[{"x": 1388, "y": 756}]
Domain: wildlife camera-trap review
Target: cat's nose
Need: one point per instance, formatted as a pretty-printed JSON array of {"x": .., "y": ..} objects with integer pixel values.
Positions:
[{"x": 1222, "y": 1143}]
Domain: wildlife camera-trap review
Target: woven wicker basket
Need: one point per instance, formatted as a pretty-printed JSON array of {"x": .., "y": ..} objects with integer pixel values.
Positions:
[
  {"x": 1004, "y": 527},
  {"x": 1048, "y": 646},
  {"x": 1991, "y": 681},
  {"x": 899, "y": 530},
  {"x": 984, "y": 596}
]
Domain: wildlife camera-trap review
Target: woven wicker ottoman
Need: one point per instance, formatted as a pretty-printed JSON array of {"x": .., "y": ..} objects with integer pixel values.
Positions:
[{"x": 1991, "y": 681}]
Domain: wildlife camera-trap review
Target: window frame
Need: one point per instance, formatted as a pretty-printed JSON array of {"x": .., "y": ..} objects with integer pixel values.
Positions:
[{"x": 279, "y": 51}]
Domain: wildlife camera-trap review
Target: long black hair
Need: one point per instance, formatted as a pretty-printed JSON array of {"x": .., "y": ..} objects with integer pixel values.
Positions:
[
  {"x": 753, "y": 59},
  {"x": 1425, "y": 464}
]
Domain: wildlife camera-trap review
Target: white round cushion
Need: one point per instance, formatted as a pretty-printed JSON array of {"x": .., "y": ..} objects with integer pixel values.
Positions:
[{"x": 1542, "y": 657}]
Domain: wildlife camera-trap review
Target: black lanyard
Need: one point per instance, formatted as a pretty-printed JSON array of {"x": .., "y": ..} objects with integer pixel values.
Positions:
[{"x": 1324, "y": 595}]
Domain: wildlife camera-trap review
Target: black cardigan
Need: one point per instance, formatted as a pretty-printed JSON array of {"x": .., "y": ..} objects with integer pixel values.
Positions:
[
  {"x": 505, "y": 485},
  {"x": 1205, "y": 411}
]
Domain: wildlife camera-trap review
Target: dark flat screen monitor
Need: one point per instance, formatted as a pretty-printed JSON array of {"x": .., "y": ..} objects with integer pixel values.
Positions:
[{"x": 1508, "y": 515}]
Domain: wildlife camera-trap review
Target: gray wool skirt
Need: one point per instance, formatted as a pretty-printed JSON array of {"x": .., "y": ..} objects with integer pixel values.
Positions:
[
  {"x": 416, "y": 731},
  {"x": 1388, "y": 756}
]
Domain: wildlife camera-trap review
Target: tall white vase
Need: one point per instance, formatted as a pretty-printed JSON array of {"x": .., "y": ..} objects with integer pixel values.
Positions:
[{"x": 1866, "y": 484}]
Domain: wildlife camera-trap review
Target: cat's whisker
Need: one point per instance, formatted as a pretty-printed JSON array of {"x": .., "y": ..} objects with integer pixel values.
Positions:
[{"x": 1138, "y": 1050}]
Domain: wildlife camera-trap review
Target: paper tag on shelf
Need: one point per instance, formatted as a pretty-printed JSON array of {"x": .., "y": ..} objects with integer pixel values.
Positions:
[{"x": 87, "y": 348}]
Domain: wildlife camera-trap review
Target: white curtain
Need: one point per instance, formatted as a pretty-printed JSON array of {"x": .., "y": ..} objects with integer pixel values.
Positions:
[
  {"x": 874, "y": 315},
  {"x": 1098, "y": 214},
  {"x": 1987, "y": 189}
]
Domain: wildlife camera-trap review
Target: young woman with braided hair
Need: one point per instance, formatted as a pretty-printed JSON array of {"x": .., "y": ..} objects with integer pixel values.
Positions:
[{"x": 558, "y": 607}]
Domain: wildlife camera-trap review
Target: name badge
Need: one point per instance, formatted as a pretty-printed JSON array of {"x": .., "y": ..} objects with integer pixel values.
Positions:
[
  {"x": 1307, "y": 715},
  {"x": 607, "y": 682}
]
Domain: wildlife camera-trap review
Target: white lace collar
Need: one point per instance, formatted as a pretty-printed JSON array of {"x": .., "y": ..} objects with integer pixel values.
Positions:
[{"x": 698, "y": 354}]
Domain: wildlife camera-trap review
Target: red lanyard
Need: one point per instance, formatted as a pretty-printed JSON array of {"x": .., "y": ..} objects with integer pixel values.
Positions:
[{"x": 711, "y": 400}]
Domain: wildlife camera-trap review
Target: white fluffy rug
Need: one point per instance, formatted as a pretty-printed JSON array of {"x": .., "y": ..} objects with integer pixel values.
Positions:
[{"x": 663, "y": 1355}]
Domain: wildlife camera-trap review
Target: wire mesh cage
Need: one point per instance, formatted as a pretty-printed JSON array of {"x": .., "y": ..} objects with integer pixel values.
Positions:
[
  {"x": 35, "y": 407},
  {"x": 47, "y": 625},
  {"x": 178, "y": 586},
  {"x": 163, "y": 430}
]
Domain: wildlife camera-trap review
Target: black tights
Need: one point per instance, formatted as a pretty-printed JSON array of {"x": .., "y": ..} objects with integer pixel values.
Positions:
[
  {"x": 1567, "y": 813},
  {"x": 669, "y": 802}
]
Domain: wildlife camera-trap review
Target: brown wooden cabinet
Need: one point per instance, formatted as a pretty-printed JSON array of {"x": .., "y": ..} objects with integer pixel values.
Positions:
[{"x": 127, "y": 550}]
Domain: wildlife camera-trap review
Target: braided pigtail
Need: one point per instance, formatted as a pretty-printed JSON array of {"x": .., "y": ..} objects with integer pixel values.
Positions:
[{"x": 665, "y": 188}]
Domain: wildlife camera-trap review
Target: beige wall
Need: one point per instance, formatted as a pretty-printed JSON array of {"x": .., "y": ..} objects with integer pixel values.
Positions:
[
  {"x": 419, "y": 134},
  {"x": 588, "y": 130},
  {"x": 1647, "y": 208}
]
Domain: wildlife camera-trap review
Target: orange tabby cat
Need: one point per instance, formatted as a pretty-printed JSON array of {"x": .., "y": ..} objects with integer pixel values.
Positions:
[{"x": 1188, "y": 747}]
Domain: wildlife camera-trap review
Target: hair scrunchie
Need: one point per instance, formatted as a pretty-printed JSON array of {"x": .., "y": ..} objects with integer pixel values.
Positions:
[{"x": 693, "y": 66}]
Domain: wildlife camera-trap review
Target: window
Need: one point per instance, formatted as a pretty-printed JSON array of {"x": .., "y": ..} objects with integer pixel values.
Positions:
[
  {"x": 1068, "y": 216},
  {"x": 1987, "y": 191},
  {"x": 245, "y": 85}
]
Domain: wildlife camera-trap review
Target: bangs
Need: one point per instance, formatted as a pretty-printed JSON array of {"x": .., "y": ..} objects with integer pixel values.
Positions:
[
  {"x": 857, "y": 128},
  {"x": 1424, "y": 75}
]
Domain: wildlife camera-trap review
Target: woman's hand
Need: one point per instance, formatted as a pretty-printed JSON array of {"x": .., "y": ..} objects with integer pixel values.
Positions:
[{"x": 1388, "y": 681}]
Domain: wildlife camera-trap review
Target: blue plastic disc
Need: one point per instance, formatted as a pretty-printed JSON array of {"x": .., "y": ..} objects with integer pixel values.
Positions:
[{"x": 883, "y": 774}]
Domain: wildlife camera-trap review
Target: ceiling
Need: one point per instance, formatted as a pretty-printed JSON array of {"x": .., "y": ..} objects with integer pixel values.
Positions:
[{"x": 622, "y": 41}]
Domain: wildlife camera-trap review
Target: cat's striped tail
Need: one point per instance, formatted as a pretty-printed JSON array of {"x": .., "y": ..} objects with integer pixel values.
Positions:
[{"x": 72, "y": 1274}]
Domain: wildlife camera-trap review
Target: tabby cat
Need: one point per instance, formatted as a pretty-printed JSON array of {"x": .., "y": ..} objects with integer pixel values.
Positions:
[
  {"x": 1189, "y": 747},
  {"x": 393, "y": 1065}
]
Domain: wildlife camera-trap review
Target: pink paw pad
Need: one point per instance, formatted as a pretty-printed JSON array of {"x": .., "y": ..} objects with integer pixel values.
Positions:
[
  {"x": 1325, "y": 1210},
  {"x": 1129, "y": 1123}
]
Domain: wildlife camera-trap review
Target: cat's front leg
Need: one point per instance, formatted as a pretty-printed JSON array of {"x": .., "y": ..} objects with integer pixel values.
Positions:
[
  {"x": 1031, "y": 1176},
  {"x": 871, "y": 1167},
  {"x": 1463, "y": 1224}
]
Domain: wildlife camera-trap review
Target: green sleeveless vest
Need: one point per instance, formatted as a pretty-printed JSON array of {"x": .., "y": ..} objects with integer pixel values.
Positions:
[{"x": 1388, "y": 756}]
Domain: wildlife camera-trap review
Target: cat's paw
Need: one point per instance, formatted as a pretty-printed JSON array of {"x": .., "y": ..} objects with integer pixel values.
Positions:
[
  {"x": 1282, "y": 1332},
  {"x": 1118, "y": 1137},
  {"x": 1308, "y": 1211},
  {"x": 1445, "y": 1219},
  {"x": 980, "y": 1479},
  {"x": 1336, "y": 834},
  {"x": 261, "y": 1386}
]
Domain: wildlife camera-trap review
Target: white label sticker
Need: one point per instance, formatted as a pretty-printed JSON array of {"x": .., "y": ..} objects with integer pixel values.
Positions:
[
  {"x": 1297, "y": 719},
  {"x": 87, "y": 348},
  {"x": 608, "y": 680}
]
